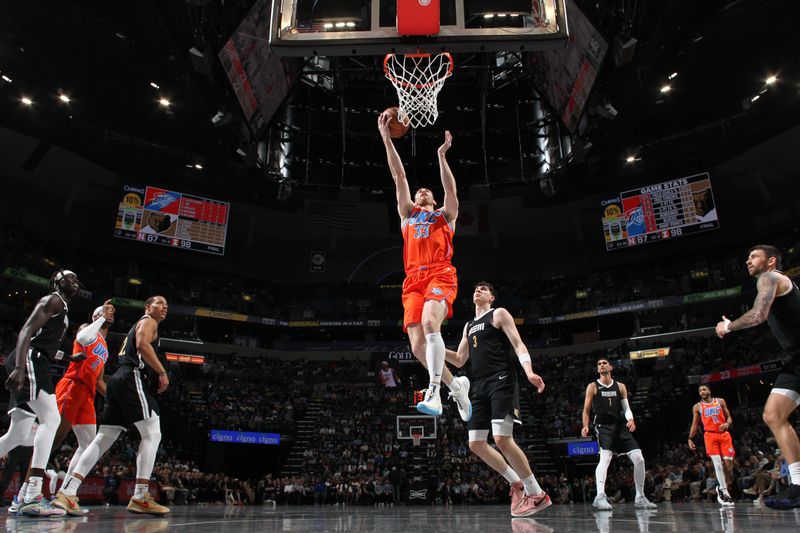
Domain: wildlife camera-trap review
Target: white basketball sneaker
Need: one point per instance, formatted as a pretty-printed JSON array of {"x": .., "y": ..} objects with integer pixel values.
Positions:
[
  {"x": 643, "y": 503},
  {"x": 432, "y": 404},
  {"x": 462, "y": 398},
  {"x": 601, "y": 502}
]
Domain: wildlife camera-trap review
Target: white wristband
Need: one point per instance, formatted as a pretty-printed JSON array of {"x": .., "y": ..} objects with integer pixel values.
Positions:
[
  {"x": 727, "y": 327},
  {"x": 524, "y": 358}
]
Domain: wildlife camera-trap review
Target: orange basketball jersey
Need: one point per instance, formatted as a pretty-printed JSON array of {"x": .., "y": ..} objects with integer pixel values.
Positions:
[
  {"x": 711, "y": 415},
  {"x": 427, "y": 240},
  {"x": 88, "y": 370}
]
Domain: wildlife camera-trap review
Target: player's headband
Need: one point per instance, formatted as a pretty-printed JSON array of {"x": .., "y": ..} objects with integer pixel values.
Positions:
[{"x": 63, "y": 274}]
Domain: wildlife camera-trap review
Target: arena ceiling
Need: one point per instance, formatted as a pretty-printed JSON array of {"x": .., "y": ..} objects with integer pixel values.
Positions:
[{"x": 115, "y": 61}]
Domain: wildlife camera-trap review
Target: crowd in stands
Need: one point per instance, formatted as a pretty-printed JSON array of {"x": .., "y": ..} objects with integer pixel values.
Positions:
[{"x": 546, "y": 296}]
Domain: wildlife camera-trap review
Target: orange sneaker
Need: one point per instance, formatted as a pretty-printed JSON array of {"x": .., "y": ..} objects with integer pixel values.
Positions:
[{"x": 531, "y": 505}]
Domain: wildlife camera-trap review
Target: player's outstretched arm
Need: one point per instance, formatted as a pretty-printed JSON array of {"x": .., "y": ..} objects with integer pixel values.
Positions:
[
  {"x": 695, "y": 426},
  {"x": 587, "y": 408},
  {"x": 460, "y": 357},
  {"x": 503, "y": 320},
  {"x": 45, "y": 309},
  {"x": 448, "y": 181},
  {"x": 404, "y": 202},
  {"x": 767, "y": 286}
]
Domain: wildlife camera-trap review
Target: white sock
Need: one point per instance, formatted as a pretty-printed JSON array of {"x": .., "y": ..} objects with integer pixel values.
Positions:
[
  {"x": 70, "y": 486},
  {"x": 22, "y": 490},
  {"x": 511, "y": 476},
  {"x": 434, "y": 356},
  {"x": 34, "y": 488},
  {"x": 454, "y": 385},
  {"x": 794, "y": 473},
  {"x": 140, "y": 490},
  {"x": 532, "y": 486}
]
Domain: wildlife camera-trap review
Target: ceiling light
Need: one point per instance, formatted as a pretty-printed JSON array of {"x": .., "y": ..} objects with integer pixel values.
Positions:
[
  {"x": 6, "y": 78},
  {"x": 64, "y": 98},
  {"x": 340, "y": 24},
  {"x": 630, "y": 159},
  {"x": 351, "y": 24},
  {"x": 328, "y": 25},
  {"x": 673, "y": 75},
  {"x": 488, "y": 15},
  {"x": 772, "y": 79},
  {"x": 501, "y": 14},
  {"x": 665, "y": 89},
  {"x": 154, "y": 85},
  {"x": 198, "y": 166},
  {"x": 756, "y": 97},
  {"x": 25, "y": 100},
  {"x": 164, "y": 102}
]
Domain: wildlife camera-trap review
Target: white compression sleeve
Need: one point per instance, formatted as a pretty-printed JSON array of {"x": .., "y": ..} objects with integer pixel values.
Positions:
[
  {"x": 87, "y": 335},
  {"x": 602, "y": 469},
  {"x": 626, "y": 406},
  {"x": 719, "y": 470}
]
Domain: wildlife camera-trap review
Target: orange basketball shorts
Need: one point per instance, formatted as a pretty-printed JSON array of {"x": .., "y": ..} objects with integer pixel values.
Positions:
[
  {"x": 438, "y": 283},
  {"x": 719, "y": 444},
  {"x": 75, "y": 402}
]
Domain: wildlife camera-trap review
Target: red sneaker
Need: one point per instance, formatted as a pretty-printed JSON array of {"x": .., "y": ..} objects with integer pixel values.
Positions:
[
  {"x": 532, "y": 504},
  {"x": 517, "y": 493}
]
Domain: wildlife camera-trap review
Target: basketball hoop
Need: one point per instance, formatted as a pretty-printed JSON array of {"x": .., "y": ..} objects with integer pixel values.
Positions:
[
  {"x": 417, "y": 438},
  {"x": 418, "y": 78}
]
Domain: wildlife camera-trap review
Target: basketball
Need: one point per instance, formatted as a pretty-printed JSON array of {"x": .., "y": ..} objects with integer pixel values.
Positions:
[{"x": 396, "y": 128}]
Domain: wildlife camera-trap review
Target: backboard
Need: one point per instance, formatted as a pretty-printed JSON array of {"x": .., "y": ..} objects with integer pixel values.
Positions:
[
  {"x": 409, "y": 424},
  {"x": 369, "y": 27}
]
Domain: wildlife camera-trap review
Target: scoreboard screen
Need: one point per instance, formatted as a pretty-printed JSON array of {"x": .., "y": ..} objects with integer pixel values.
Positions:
[
  {"x": 657, "y": 212},
  {"x": 169, "y": 218}
]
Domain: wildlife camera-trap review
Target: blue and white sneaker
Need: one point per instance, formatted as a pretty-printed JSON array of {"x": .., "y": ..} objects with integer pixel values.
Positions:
[
  {"x": 40, "y": 507},
  {"x": 462, "y": 398},
  {"x": 432, "y": 404},
  {"x": 14, "y": 507}
]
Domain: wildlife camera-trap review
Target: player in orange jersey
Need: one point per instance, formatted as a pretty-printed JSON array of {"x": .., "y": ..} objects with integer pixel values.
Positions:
[
  {"x": 430, "y": 287},
  {"x": 716, "y": 418},
  {"x": 75, "y": 391}
]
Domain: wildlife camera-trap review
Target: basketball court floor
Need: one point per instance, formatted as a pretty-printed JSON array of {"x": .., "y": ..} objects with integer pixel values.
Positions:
[{"x": 459, "y": 519}]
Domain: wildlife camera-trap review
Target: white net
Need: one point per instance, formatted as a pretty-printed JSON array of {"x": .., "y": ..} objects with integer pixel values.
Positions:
[{"x": 418, "y": 78}]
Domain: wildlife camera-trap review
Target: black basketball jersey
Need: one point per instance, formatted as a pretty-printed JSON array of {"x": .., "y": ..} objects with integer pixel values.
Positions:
[
  {"x": 50, "y": 337},
  {"x": 784, "y": 319},
  {"x": 490, "y": 351},
  {"x": 129, "y": 354},
  {"x": 607, "y": 403}
]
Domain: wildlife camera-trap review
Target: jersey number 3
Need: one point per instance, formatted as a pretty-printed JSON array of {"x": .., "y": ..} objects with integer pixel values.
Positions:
[{"x": 474, "y": 341}]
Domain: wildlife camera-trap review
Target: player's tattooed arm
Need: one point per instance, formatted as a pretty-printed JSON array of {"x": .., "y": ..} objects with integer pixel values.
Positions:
[
  {"x": 587, "y": 408},
  {"x": 767, "y": 288},
  {"x": 695, "y": 426}
]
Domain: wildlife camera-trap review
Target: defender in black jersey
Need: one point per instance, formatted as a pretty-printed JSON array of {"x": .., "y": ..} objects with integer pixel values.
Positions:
[
  {"x": 777, "y": 303},
  {"x": 129, "y": 402},
  {"x": 609, "y": 401},
  {"x": 31, "y": 385},
  {"x": 489, "y": 342}
]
